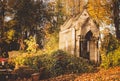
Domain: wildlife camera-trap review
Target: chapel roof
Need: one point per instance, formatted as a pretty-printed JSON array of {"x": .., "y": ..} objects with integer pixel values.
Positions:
[{"x": 80, "y": 21}]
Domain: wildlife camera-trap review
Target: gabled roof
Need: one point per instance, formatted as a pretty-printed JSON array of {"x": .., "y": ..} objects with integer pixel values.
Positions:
[{"x": 71, "y": 21}]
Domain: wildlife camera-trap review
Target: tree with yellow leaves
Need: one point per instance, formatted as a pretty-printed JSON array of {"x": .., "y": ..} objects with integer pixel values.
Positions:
[
  {"x": 72, "y": 7},
  {"x": 100, "y": 10}
]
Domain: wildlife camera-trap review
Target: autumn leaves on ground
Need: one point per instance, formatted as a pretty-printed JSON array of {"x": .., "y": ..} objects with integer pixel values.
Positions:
[
  {"x": 32, "y": 28},
  {"x": 72, "y": 69},
  {"x": 112, "y": 74}
]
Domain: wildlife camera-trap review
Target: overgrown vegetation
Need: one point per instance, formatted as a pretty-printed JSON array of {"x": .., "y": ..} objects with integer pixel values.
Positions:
[
  {"x": 32, "y": 46},
  {"x": 56, "y": 63},
  {"x": 41, "y": 20},
  {"x": 110, "y": 53}
]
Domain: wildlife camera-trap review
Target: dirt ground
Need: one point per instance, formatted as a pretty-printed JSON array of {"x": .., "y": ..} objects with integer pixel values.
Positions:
[{"x": 112, "y": 74}]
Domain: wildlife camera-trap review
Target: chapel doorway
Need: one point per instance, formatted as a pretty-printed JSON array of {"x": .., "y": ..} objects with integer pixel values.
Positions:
[{"x": 85, "y": 45}]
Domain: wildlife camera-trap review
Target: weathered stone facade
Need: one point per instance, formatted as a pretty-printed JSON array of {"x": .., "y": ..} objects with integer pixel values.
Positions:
[{"x": 79, "y": 36}]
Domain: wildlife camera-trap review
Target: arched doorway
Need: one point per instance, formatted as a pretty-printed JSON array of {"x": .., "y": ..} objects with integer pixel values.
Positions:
[{"x": 85, "y": 45}]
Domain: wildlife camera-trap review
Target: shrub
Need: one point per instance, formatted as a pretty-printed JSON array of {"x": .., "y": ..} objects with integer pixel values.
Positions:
[
  {"x": 32, "y": 46},
  {"x": 24, "y": 72},
  {"x": 56, "y": 63},
  {"x": 111, "y": 59},
  {"x": 79, "y": 65},
  {"x": 47, "y": 62},
  {"x": 110, "y": 52},
  {"x": 65, "y": 63},
  {"x": 114, "y": 57},
  {"x": 59, "y": 63},
  {"x": 105, "y": 61},
  {"x": 109, "y": 44},
  {"x": 28, "y": 60},
  {"x": 52, "y": 42},
  {"x": 33, "y": 62}
]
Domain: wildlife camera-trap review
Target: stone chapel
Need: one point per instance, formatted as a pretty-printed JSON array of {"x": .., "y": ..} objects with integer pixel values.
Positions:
[{"x": 79, "y": 36}]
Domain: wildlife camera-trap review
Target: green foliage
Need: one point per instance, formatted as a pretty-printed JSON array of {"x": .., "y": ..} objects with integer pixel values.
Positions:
[
  {"x": 110, "y": 43},
  {"x": 59, "y": 63},
  {"x": 10, "y": 34},
  {"x": 30, "y": 15},
  {"x": 79, "y": 65},
  {"x": 58, "y": 53},
  {"x": 34, "y": 62},
  {"x": 28, "y": 60},
  {"x": 51, "y": 42},
  {"x": 47, "y": 62},
  {"x": 110, "y": 53},
  {"x": 111, "y": 59},
  {"x": 19, "y": 60},
  {"x": 116, "y": 57},
  {"x": 32, "y": 46},
  {"x": 56, "y": 63},
  {"x": 24, "y": 72},
  {"x": 105, "y": 61},
  {"x": 65, "y": 63},
  {"x": 113, "y": 43}
]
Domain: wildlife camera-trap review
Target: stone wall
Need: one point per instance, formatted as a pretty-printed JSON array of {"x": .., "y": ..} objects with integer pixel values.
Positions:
[
  {"x": 71, "y": 32},
  {"x": 67, "y": 40}
]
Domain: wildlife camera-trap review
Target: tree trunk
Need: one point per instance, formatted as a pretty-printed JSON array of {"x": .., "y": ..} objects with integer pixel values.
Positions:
[{"x": 117, "y": 18}]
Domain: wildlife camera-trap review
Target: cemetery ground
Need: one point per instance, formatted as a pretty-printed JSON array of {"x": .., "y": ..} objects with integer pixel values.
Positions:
[
  {"x": 112, "y": 74},
  {"x": 97, "y": 74}
]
